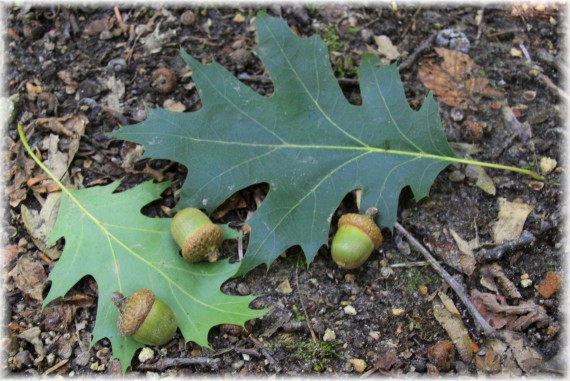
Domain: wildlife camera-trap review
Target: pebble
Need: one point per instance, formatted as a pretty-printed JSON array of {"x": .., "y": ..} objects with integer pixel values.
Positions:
[
  {"x": 359, "y": 365},
  {"x": 23, "y": 358},
  {"x": 349, "y": 310},
  {"x": 456, "y": 176},
  {"x": 397, "y": 311},
  {"x": 146, "y": 354},
  {"x": 329, "y": 335},
  {"x": 547, "y": 165},
  {"x": 238, "y": 364},
  {"x": 454, "y": 40},
  {"x": 243, "y": 289}
]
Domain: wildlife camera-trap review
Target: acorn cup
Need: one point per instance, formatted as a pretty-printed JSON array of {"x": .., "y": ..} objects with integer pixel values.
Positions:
[
  {"x": 196, "y": 235},
  {"x": 145, "y": 318},
  {"x": 357, "y": 236}
]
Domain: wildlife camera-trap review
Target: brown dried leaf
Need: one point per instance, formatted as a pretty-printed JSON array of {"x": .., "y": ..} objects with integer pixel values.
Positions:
[
  {"x": 512, "y": 216},
  {"x": 453, "y": 325},
  {"x": 508, "y": 287},
  {"x": 30, "y": 277},
  {"x": 442, "y": 355},
  {"x": 456, "y": 82},
  {"x": 71, "y": 125},
  {"x": 499, "y": 314},
  {"x": 467, "y": 260},
  {"x": 489, "y": 363},
  {"x": 527, "y": 357},
  {"x": 387, "y": 360},
  {"x": 386, "y": 48}
]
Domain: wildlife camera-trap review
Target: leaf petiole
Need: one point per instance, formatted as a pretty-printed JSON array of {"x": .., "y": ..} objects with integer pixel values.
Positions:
[{"x": 52, "y": 175}]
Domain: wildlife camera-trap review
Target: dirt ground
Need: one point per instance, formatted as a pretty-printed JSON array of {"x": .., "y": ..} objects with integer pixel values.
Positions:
[{"x": 99, "y": 63}]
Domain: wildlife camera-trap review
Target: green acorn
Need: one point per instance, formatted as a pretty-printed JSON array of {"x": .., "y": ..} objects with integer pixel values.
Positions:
[
  {"x": 196, "y": 235},
  {"x": 145, "y": 318},
  {"x": 357, "y": 236}
]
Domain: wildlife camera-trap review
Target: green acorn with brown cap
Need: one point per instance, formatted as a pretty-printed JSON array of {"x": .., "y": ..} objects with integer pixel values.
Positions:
[
  {"x": 196, "y": 235},
  {"x": 145, "y": 318},
  {"x": 357, "y": 236}
]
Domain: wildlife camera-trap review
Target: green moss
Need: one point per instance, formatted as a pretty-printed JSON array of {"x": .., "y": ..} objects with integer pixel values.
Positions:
[{"x": 318, "y": 354}]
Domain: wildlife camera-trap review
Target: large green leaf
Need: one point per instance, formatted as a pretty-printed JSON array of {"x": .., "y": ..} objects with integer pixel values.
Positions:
[
  {"x": 106, "y": 236},
  {"x": 306, "y": 141}
]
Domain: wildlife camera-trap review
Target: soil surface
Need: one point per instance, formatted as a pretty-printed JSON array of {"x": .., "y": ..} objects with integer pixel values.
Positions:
[{"x": 379, "y": 319}]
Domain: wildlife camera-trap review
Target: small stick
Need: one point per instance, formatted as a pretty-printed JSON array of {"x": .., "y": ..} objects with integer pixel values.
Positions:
[
  {"x": 548, "y": 82},
  {"x": 410, "y": 264},
  {"x": 420, "y": 49},
  {"x": 267, "y": 355},
  {"x": 167, "y": 362},
  {"x": 55, "y": 367},
  {"x": 313, "y": 335},
  {"x": 496, "y": 253},
  {"x": 448, "y": 278}
]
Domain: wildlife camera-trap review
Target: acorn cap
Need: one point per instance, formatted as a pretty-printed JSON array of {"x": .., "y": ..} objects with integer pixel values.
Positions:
[
  {"x": 134, "y": 311},
  {"x": 365, "y": 224},
  {"x": 203, "y": 244}
]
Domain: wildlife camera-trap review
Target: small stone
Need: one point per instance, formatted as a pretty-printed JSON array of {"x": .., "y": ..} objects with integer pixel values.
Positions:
[
  {"x": 386, "y": 272},
  {"x": 529, "y": 95},
  {"x": 526, "y": 283},
  {"x": 457, "y": 114},
  {"x": 23, "y": 358},
  {"x": 525, "y": 276},
  {"x": 349, "y": 310},
  {"x": 243, "y": 289},
  {"x": 536, "y": 185},
  {"x": 454, "y": 40},
  {"x": 516, "y": 53},
  {"x": 146, "y": 354},
  {"x": 397, "y": 311},
  {"x": 359, "y": 365},
  {"x": 329, "y": 335},
  {"x": 238, "y": 364},
  {"x": 375, "y": 335},
  {"x": 547, "y": 165},
  {"x": 456, "y": 176},
  {"x": 94, "y": 366},
  {"x": 173, "y": 106}
]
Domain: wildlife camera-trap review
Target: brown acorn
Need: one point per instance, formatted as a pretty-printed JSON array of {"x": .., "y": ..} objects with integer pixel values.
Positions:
[
  {"x": 196, "y": 235},
  {"x": 145, "y": 318},
  {"x": 357, "y": 236},
  {"x": 163, "y": 80}
]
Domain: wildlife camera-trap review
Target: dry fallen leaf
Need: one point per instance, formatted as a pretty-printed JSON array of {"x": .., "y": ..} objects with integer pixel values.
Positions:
[
  {"x": 482, "y": 179},
  {"x": 467, "y": 258},
  {"x": 442, "y": 355},
  {"x": 512, "y": 216},
  {"x": 526, "y": 356},
  {"x": 499, "y": 314},
  {"x": 448, "y": 316},
  {"x": 30, "y": 277},
  {"x": 457, "y": 81},
  {"x": 386, "y": 48}
]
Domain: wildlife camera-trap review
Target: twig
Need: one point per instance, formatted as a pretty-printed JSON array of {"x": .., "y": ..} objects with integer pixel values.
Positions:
[
  {"x": 548, "y": 82},
  {"x": 416, "y": 53},
  {"x": 411, "y": 22},
  {"x": 166, "y": 362},
  {"x": 267, "y": 355},
  {"x": 313, "y": 335},
  {"x": 496, "y": 253},
  {"x": 55, "y": 367},
  {"x": 410, "y": 264},
  {"x": 448, "y": 278}
]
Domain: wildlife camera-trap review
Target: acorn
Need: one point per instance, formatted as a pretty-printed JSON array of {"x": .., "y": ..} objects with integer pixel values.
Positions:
[
  {"x": 357, "y": 236},
  {"x": 196, "y": 235},
  {"x": 145, "y": 318}
]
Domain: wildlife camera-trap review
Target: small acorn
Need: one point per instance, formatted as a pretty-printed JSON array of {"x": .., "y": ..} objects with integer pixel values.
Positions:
[
  {"x": 357, "y": 236},
  {"x": 145, "y": 318},
  {"x": 195, "y": 233}
]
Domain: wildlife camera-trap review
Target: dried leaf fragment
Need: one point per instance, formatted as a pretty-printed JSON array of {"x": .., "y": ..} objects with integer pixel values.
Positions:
[
  {"x": 512, "y": 216},
  {"x": 442, "y": 355},
  {"x": 30, "y": 277},
  {"x": 386, "y": 48},
  {"x": 456, "y": 82},
  {"x": 525, "y": 355},
  {"x": 450, "y": 320}
]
